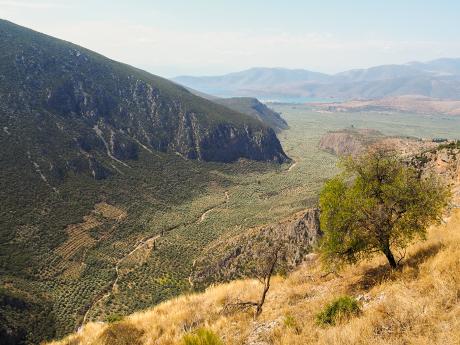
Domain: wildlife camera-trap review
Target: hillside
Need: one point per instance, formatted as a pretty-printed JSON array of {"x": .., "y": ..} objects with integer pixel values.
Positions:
[
  {"x": 415, "y": 304},
  {"x": 98, "y": 160},
  {"x": 256, "y": 109},
  {"x": 229, "y": 258},
  {"x": 249, "y": 106},
  {"x": 71, "y": 87},
  {"x": 438, "y": 79}
]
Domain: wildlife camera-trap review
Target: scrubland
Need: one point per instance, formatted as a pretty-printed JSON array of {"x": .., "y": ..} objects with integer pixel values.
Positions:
[{"x": 417, "y": 304}]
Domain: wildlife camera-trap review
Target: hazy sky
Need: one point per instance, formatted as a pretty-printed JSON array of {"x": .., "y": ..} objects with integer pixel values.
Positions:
[{"x": 203, "y": 37}]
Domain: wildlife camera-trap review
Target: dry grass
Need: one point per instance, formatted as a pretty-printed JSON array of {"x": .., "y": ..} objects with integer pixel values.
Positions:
[{"x": 417, "y": 305}]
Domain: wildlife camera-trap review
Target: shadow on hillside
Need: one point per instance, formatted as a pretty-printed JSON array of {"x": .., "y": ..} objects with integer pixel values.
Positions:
[
  {"x": 422, "y": 255},
  {"x": 372, "y": 277},
  {"x": 377, "y": 275}
]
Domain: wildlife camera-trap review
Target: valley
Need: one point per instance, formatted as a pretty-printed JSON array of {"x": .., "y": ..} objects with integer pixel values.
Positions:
[
  {"x": 145, "y": 253},
  {"x": 229, "y": 173},
  {"x": 141, "y": 249},
  {"x": 258, "y": 197}
]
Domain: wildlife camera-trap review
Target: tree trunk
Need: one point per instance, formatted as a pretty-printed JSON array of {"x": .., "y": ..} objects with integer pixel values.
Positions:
[
  {"x": 390, "y": 257},
  {"x": 262, "y": 299},
  {"x": 266, "y": 282}
]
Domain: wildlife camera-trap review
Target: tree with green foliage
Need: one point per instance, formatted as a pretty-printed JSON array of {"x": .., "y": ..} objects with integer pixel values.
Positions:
[{"x": 377, "y": 204}]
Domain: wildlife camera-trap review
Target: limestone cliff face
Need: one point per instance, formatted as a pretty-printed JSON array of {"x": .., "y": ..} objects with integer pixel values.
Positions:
[
  {"x": 445, "y": 163},
  {"x": 227, "y": 260}
]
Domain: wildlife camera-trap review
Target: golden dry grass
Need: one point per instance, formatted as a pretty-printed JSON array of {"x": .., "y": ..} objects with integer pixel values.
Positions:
[{"x": 417, "y": 305}]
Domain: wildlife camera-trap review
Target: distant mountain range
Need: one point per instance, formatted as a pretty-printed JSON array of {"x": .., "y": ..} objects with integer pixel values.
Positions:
[{"x": 438, "y": 79}]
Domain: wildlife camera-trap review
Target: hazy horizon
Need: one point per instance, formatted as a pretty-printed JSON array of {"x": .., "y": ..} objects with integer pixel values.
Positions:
[
  {"x": 207, "y": 38},
  {"x": 311, "y": 70}
]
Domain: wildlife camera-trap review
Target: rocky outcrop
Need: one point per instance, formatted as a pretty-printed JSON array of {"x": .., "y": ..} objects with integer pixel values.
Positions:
[
  {"x": 355, "y": 141},
  {"x": 349, "y": 141},
  {"x": 228, "y": 259},
  {"x": 443, "y": 161}
]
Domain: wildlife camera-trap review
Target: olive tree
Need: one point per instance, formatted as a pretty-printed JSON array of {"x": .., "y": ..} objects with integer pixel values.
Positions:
[{"x": 377, "y": 204}]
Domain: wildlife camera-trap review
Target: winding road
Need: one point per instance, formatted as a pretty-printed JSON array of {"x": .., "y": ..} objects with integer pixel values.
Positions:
[{"x": 142, "y": 243}]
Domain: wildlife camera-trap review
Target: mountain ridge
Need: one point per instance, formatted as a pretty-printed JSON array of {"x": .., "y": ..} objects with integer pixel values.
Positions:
[
  {"x": 438, "y": 78},
  {"x": 250, "y": 106}
]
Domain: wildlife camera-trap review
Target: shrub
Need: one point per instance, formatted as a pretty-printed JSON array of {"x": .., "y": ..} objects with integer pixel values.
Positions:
[
  {"x": 120, "y": 334},
  {"x": 338, "y": 310},
  {"x": 291, "y": 322},
  {"x": 201, "y": 336},
  {"x": 114, "y": 318}
]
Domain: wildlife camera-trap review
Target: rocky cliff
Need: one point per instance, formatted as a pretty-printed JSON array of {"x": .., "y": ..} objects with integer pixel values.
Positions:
[
  {"x": 443, "y": 161},
  {"x": 229, "y": 259}
]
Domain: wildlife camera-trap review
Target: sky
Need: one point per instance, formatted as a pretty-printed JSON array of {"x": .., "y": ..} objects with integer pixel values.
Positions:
[{"x": 208, "y": 37}]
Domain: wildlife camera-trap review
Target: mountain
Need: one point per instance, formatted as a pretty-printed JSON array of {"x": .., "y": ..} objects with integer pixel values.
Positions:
[
  {"x": 68, "y": 87},
  {"x": 249, "y": 106},
  {"x": 256, "y": 109},
  {"x": 248, "y": 82},
  {"x": 438, "y": 79},
  {"x": 99, "y": 158},
  {"x": 384, "y": 72},
  {"x": 443, "y": 66}
]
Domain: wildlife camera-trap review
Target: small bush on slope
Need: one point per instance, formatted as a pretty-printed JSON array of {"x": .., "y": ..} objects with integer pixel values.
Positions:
[
  {"x": 291, "y": 323},
  {"x": 120, "y": 334},
  {"x": 201, "y": 336},
  {"x": 338, "y": 310},
  {"x": 114, "y": 318}
]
